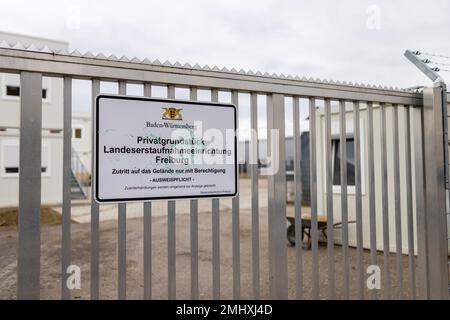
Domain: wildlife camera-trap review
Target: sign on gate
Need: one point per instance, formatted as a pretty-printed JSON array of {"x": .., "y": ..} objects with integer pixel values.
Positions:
[{"x": 150, "y": 149}]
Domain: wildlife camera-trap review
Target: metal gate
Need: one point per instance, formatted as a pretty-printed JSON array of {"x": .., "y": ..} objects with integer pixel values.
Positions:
[{"x": 398, "y": 183}]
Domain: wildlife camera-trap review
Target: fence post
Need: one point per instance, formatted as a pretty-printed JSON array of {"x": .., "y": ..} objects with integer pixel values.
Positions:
[
  {"x": 434, "y": 184},
  {"x": 277, "y": 199},
  {"x": 29, "y": 254}
]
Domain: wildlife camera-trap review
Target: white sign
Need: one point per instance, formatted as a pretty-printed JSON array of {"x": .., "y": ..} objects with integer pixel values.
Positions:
[{"x": 154, "y": 149}]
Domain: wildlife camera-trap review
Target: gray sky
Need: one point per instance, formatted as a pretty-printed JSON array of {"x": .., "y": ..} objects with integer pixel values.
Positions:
[
  {"x": 324, "y": 39},
  {"x": 358, "y": 41}
]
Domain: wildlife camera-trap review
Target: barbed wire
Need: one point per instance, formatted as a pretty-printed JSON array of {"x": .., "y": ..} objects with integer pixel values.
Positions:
[
  {"x": 432, "y": 62},
  {"x": 433, "y": 55},
  {"x": 439, "y": 63}
]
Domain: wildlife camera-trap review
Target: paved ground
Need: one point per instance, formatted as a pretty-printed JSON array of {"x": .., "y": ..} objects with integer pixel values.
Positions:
[{"x": 51, "y": 243}]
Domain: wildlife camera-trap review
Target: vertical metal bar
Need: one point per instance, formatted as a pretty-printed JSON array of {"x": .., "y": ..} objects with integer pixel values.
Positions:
[
  {"x": 194, "y": 249},
  {"x": 255, "y": 195},
  {"x": 344, "y": 200},
  {"x": 409, "y": 210},
  {"x": 216, "y": 249},
  {"x": 67, "y": 172},
  {"x": 194, "y": 232},
  {"x": 372, "y": 213},
  {"x": 358, "y": 200},
  {"x": 122, "y": 236},
  {"x": 329, "y": 191},
  {"x": 28, "y": 264},
  {"x": 435, "y": 209},
  {"x": 171, "y": 234},
  {"x": 398, "y": 221},
  {"x": 235, "y": 224},
  {"x": 95, "y": 223},
  {"x": 298, "y": 200},
  {"x": 147, "y": 231},
  {"x": 277, "y": 198},
  {"x": 171, "y": 250},
  {"x": 147, "y": 250},
  {"x": 422, "y": 241},
  {"x": 313, "y": 185},
  {"x": 215, "y": 231},
  {"x": 385, "y": 204},
  {"x": 444, "y": 106}
]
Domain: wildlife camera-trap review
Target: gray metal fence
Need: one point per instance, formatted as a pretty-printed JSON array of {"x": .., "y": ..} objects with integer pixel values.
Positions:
[{"x": 421, "y": 182}]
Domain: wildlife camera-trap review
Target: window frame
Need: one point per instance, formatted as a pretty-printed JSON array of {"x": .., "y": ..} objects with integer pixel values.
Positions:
[
  {"x": 11, "y": 86},
  {"x": 337, "y": 187},
  {"x": 335, "y": 134}
]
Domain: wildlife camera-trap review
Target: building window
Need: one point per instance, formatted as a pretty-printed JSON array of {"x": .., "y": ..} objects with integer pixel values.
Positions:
[
  {"x": 337, "y": 161},
  {"x": 16, "y": 170},
  {"x": 10, "y": 158},
  {"x": 11, "y": 169},
  {"x": 14, "y": 91},
  {"x": 78, "y": 133}
]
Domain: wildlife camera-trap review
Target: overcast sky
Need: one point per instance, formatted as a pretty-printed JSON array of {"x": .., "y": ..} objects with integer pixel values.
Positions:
[{"x": 358, "y": 41}]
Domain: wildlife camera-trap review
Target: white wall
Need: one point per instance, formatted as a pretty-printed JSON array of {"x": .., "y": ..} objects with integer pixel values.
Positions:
[
  {"x": 51, "y": 180},
  {"x": 52, "y": 113},
  {"x": 52, "y": 122}
]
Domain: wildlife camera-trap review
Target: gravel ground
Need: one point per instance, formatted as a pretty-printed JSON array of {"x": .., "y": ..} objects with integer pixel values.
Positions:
[{"x": 51, "y": 269}]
